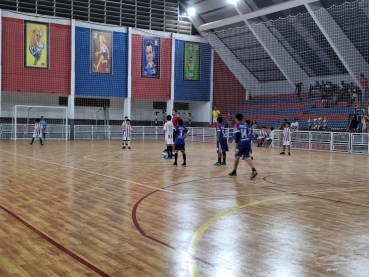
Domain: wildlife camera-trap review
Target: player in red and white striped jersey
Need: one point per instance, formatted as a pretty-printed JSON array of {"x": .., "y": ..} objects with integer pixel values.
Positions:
[
  {"x": 37, "y": 132},
  {"x": 127, "y": 134},
  {"x": 287, "y": 137}
]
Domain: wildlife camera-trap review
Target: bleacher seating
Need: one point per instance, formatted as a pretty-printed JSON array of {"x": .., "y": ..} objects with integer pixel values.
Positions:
[{"x": 267, "y": 109}]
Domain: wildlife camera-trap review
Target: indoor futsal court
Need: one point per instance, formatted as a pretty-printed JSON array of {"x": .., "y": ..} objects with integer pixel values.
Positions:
[
  {"x": 90, "y": 208},
  {"x": 122, "y": 121}
]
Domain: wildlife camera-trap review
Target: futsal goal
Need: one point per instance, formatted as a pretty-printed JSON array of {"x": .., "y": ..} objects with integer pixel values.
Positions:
[{"x": 24, "y": 118}]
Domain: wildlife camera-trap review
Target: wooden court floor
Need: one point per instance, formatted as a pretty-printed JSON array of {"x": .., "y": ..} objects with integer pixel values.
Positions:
[{"x": 89, "y": 208}]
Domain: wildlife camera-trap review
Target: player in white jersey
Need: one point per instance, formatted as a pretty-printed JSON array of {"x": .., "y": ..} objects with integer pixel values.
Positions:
[
  {"x": 37, "y": 132},
  {"x": 287, "y": 137},
  {"x": 168, "y": 136},
  {"x": 124, "y": 123},
  {"x": 127, "y": 134}
]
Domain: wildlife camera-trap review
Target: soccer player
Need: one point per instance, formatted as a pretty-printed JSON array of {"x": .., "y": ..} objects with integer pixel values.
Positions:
[
  {"x": 287, "y": 137},
  {"x": 44, "y": 125},
  {"x": 168, "y": 136},
  {"x": 222, "y": 144},
  {"x": 182, "y": 133},
  {"x": 127, "y": 134},
  {"x": 37, "y": 132},
  {"x": 243, "y": 145}
]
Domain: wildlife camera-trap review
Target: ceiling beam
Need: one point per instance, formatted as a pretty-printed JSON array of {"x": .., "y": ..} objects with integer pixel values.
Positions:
[{"x": 239, "y": 18}]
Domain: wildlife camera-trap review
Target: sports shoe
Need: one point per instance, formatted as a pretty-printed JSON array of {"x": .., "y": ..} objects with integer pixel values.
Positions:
[
  {"x": 184, "y": 165},
  {"x": 289, "y": 154},
  {"x": 243, "y": 157},
  {"x": 233, "y": 173},
  {"x": 223, "y": 163},
  {"x": 123, "y": 147},
  {"x": 167, "y": 158},
  {"x": 129, "y": 147},
  {"x": 174, "y": 164},
  {"x": 252, "y": 157},
  {"x": 217, "y": 164},
  {"x": 282, "y": 153},
  {"x": 253, "y": 174}
]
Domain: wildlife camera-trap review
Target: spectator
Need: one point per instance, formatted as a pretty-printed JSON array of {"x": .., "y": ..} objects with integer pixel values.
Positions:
[
  {"x": 250, "y": 97},
  {"x": 364, "y": 86},
  {"x": 230, "y": 120},
  {"x": 294, "y": 125},
  {"x": 270, "y": 137},
  {"x": 216, "y": 114},
  {"x": 278, "y": 125},
  {"x": 261, "y": 137},
  {"x": 309, "y": 124},
  {"x": 325, "y": 123},
  {"x": 298, "y": 91},
  {"x": 255, "y": 125}
]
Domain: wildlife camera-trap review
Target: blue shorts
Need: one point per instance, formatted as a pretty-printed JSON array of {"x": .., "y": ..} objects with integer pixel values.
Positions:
[
  {"x": 222, "y": 146},
  {"x": 104, "y": 54},
  {"x": 243, "y": 151}
]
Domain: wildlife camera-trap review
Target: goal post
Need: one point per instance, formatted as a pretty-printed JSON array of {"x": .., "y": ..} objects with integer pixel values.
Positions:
[{"x": 24, "y": 119}]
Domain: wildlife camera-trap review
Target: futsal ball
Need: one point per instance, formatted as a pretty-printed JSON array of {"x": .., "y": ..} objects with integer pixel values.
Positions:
[{"x": 164, "y": 154}]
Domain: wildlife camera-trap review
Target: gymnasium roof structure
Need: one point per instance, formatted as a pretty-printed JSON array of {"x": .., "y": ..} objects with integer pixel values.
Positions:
[{"x": 290, "y": 32}]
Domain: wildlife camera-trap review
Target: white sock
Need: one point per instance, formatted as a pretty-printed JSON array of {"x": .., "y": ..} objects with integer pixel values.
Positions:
[{"x": 129, "y": 143}]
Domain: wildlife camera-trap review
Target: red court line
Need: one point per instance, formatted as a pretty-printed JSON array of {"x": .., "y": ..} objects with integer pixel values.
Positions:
[
  {"x": 57, "y": 245},
  {"x": 142, "y": 232}
]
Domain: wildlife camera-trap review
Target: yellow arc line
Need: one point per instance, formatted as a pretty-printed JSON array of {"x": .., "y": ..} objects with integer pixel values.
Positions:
[{"x": 193, "y": 268}]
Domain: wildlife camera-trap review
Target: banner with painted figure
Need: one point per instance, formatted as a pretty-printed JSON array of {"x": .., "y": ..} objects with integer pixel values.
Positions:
[
  {"x": 101, "y": 52},
  {"x": 150, "y": 66},
  {"x": 191, "y": 61},
  {"x": 36, "y": 38}
]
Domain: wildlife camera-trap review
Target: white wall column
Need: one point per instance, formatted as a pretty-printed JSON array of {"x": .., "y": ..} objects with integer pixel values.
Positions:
[
  {"x": 350, "y": 57},
  {"x": 1, "y": 55},
  {"x": 209, "y": 106},
  {"x": 72, "y": 78},
  {"x": 128, "y": 100},
  {"x": 170, "y": 102}
]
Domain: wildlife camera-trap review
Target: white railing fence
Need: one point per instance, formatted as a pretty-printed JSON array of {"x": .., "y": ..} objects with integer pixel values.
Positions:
[
  {"x": 355, "y": 143},
  {"x": 25, "y": 131}
]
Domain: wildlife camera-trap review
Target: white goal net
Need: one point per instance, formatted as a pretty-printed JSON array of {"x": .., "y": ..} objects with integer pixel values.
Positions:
[{"x": 24, "y": 118}]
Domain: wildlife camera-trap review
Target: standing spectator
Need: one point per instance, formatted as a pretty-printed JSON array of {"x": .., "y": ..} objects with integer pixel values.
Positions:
[
  {"x": 270, "y": 136},
  {"x": 309, "y": 123},
  {"x": 325, "y": 123},
  {"x": 278, "y": 125},
  {"x": 298, "y": 91},
  {"x": 255, "y": 125},
  {"x": 294, "y": 125},
  {"x": 216, "y": 114},
  {"x": 364, "y": 86},
  {"x": 230, "y": 120}
]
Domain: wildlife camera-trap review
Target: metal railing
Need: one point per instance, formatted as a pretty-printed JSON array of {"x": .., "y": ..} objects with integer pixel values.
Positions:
[
  {"x": 25, "y": 131},
  {"x": 355, "y": 143}
]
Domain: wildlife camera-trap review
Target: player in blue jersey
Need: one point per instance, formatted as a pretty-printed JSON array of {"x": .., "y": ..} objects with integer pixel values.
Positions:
[
  {"x": 243, "y": 145},
  {"x": 182, "y": 132},
  {"x": 44, "y": 125},
  {"x": 222, "y": 144}
]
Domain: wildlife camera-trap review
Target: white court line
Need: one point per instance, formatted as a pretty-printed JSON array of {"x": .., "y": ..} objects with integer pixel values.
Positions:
[
  {"x": 92, "y": 172},
  {"x": 173, "y": 192}
]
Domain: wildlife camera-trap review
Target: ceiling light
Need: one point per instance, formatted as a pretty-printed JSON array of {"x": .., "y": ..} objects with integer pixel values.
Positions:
[
  {"x": 232, "y": 1},
  {"x": 191, "y": 11}
]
